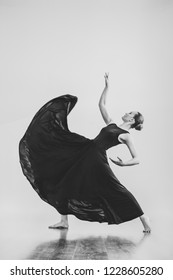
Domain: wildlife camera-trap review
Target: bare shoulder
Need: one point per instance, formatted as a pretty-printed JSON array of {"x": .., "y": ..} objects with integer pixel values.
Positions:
[{"x": 125, "y": 138}]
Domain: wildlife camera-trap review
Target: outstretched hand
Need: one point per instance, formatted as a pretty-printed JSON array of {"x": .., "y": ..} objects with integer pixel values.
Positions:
[
  {"x": 106, "y": 76},
  {"x": 117, "y": 162}
]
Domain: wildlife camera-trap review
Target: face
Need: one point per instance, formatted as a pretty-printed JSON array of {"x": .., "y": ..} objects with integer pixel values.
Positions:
[{"x": 129, "y": 116}]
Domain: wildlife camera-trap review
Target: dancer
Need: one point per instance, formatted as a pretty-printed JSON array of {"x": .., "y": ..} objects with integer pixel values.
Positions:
[{"x": 71, "y": 172}]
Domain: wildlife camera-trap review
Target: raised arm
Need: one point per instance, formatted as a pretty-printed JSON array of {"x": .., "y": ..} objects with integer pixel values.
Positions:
[{"x": 102, "y": 101}]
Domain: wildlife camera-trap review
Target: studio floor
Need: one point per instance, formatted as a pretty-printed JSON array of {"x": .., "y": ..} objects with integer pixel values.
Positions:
[
  {"x": 30, "y": 238},
  {"x": 24, "y": 220}
]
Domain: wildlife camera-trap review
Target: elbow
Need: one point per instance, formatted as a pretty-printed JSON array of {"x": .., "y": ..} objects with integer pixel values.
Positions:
[{"x": 101, "y": 104}]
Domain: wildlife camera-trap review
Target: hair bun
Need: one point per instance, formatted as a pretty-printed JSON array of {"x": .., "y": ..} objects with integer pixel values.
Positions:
[{"x": 139, "y": 126}]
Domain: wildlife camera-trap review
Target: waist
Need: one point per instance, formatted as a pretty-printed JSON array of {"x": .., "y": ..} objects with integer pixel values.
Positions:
[{"x": 100, "y": 144}]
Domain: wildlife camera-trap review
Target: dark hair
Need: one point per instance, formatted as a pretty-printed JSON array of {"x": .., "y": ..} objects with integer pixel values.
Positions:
[{"x": 139, "y": 119}]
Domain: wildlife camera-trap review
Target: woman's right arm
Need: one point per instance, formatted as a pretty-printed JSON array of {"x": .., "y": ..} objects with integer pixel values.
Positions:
[{"x": 102, "y": 102}]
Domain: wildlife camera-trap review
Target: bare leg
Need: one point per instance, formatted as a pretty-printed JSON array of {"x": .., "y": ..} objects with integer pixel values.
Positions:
[
  {"x": 146, "y": 223},
  {"x": 63, "y": 224}
]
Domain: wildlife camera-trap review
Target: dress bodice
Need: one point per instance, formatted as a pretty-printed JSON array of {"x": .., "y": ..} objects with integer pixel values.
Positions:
[{"x": 108, "y": 136}]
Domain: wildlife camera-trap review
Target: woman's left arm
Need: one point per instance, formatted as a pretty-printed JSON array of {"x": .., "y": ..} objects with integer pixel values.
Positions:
[{"x": 126, "y": 139}]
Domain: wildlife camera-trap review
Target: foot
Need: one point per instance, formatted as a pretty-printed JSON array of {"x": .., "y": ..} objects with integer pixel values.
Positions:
[
  {"x": 60, "y": 225},
  {"x": 146, "y": 224}
]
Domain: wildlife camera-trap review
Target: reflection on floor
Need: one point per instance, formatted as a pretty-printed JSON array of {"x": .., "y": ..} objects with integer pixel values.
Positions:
[
  {"x": 24, "y": 218},
  {"x": 28, "y": 238},
  {"x": 97, "y": 248}
]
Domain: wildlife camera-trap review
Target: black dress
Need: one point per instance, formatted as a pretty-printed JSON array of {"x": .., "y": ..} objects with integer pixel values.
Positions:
[{"x": 70, "y": 171}]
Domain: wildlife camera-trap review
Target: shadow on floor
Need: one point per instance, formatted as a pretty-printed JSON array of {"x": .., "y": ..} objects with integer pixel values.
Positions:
[{"x": 96, "y": 248}]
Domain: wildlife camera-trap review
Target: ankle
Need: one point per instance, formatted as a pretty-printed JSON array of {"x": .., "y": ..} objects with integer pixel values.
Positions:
[
  {"x": 64, "y": 221},
  {"x": 144, "y": 217}
]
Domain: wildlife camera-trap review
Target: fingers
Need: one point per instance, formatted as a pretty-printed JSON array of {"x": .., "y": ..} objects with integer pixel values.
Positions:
[
  {"x": 114, "y": 161},
  {"x": 118, "y": 162},
  {"x": 119, "y": 159},
  {"x": 106, "y": 75}
]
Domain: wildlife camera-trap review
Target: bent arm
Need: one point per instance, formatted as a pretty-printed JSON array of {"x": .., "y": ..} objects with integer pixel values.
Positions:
[
  {"x": 102, "y": 102},
  {"x": 126, "y": 139},
  {"x": 134, "y": 160}
]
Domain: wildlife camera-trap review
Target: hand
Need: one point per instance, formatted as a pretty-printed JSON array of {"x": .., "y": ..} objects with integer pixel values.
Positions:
[
  {"x": 106, "y": 76},
  {"x": 118, "y": 162}
]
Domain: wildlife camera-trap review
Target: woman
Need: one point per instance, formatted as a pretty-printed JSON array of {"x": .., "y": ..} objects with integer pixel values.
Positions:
[{"x": 71, "y": 172}]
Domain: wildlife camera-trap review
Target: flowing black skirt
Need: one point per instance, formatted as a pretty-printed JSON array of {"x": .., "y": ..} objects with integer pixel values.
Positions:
[{"x": 70, "y": 171}]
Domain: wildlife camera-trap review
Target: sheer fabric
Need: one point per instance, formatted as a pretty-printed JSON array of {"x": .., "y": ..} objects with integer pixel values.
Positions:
[{"x": 70, "y": 171}]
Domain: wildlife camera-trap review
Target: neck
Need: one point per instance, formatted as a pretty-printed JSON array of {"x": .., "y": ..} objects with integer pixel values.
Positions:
[{"x": 125, "y": 126}]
